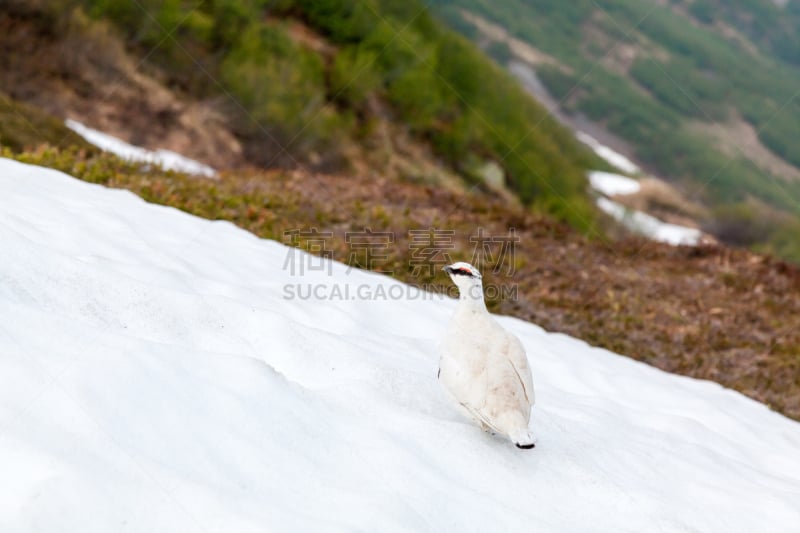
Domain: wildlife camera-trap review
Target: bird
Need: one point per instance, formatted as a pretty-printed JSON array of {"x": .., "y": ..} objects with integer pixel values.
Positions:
[{"x": 484, "y": 367}]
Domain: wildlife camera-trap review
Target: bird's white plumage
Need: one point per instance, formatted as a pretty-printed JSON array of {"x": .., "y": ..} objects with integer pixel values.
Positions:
[{"x": 483, "y": 366}]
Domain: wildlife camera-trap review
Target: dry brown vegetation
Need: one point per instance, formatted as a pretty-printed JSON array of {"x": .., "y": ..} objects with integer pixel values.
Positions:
[
  {"x": 70, "y": 67},
  {"x": 710, "y": 312}
]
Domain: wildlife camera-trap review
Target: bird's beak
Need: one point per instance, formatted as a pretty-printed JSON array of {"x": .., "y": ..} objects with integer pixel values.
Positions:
[{"x": 448, "y": 269}]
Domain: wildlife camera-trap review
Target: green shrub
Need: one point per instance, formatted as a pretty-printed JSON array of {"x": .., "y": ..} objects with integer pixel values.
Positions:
[
  {"x": 280, "y": 85},
  {"x": 294, "y": 102},
  {"x": 353, "y": 76}
]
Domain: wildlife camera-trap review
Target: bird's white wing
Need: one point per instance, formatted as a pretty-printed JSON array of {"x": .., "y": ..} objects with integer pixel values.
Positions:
[{"x": 519, "y": 360}]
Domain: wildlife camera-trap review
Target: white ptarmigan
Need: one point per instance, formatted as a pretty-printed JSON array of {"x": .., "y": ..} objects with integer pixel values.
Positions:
[{"x": 483, "y": 366}]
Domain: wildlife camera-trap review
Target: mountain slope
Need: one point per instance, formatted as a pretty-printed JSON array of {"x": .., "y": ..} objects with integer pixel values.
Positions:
[
  {"x": 320, "y": 85},
  {"x": 709, "y": 312},
  {"x": 704, "y": 92},
  {"x": 156, "y": 377}
]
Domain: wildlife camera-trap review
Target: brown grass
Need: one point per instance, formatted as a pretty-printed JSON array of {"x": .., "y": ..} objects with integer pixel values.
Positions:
[{"x": 65, "y": 65}]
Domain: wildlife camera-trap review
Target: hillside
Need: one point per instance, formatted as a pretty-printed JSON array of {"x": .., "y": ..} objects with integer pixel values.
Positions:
[
  {"x": 709, "y": 312},
  {"x": 176, "y": 388},
  {"x": 374, "y": 87},
  {"x": 702, "y": 92}
]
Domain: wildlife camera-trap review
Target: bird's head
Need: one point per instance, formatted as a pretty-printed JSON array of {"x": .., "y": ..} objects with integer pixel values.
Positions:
[{"x": 467, "y": 279}]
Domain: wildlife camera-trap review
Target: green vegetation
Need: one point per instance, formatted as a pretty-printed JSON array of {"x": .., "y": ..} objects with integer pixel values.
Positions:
[
  {"x": 678, "y": 66},
  {"x": 308, "y": 78},
  {"x": 772, "y": 27}
]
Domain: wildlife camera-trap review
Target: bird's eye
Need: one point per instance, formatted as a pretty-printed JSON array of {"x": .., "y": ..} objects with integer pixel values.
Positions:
[{"x": 463, "y": 272}]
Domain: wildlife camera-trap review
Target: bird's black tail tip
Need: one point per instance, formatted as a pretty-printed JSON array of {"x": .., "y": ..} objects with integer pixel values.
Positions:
[{"x": 525, "y": 446}]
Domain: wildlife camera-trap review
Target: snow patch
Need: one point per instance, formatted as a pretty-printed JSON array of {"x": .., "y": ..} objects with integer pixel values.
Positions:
[
  {"x": 167, "y": 159},
  {"x": 649, "y": 226},
  {"x": 613, "y": 184},
  {"x": 637, "y": 221},
  {"x": 613, "y": 157},
  {"x": 155, "y": 377}
]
